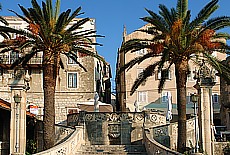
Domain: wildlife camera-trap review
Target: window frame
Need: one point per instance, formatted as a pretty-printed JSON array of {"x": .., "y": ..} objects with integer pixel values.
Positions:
[
  {"x": 158, "y": 75},
  {"x": 142, "y": 96},
  {"x": 68, "y": 80},
  {"x": 70, "y": 61}
]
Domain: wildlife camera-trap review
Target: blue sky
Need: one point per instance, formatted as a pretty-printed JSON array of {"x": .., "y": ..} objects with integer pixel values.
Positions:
[{"x": 112, "y": 15}]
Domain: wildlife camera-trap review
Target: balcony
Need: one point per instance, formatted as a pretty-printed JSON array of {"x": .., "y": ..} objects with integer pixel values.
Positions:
[{"x": 7, "y": 60}]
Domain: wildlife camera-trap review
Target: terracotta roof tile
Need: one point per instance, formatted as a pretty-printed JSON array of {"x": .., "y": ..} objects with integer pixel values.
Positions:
[{"x": 6, "y": 105}]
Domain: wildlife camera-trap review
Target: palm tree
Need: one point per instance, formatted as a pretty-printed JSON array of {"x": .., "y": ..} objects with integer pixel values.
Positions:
[
  {"x": 176, "y": 40},
  {"x": 48, "y": 33}
]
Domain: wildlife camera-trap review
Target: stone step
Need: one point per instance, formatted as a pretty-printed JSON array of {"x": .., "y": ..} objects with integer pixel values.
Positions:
[
  {"x": 112, "y": 153},
  {"x": 112, "y": 149}
]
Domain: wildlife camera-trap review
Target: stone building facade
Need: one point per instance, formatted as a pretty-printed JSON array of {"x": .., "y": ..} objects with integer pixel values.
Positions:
[
  {"x": 74, "y": 85},
  {"x": 146, "y": 96}
]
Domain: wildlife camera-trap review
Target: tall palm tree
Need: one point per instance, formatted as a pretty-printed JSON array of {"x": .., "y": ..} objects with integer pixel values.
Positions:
[
  {"x": 176, "y": 39},
  {"x": 48, "y": 33}
]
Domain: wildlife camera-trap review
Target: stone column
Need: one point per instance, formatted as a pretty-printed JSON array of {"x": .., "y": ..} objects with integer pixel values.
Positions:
[
  {"x": 18, "y": 114},
  {"x": 206, "y": 120},
  {"x": 205, "y": 82}
]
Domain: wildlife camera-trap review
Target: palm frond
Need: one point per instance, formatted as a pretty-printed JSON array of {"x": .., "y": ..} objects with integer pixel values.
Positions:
[
  {"x": 74, "y": 57},
  {"x": 57, "y": 10},
  {"x": 156, "y": 20},
  {"x": 49, "y": 9},
  {"x": 204, "y": 14},
  {"x": 214, "y": 62},
  {"x": 135, "y": 61},
  {"x": 74, "y": 14},
  {"x": 164, "y": 12},
  {"x": 78, "y": 24},
  {"x": 3, "y": 20},
  {"x": 182, "y": 7},
  {"x": 133, "y": 45},
  {"x": 88, "y": 53},
  {"x": 61, "y": 21},
  {"x": 37, "y": 7},
  {"x": 147, "y": 72},
  {"x": 26, "y": 19},
  {"x": 217, "y": 23}
]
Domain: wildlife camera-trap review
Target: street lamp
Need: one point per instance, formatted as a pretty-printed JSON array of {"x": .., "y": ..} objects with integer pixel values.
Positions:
[
  {"x": 194, "y": 99},
  {"x": 17, "y": 100}
]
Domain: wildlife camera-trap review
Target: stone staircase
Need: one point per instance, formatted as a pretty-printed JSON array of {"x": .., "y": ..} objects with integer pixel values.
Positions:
[{"x": 112, "y": 149}]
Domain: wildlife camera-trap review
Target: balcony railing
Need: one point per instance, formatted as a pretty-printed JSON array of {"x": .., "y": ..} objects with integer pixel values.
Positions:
[{"x": 6, "y": 59}]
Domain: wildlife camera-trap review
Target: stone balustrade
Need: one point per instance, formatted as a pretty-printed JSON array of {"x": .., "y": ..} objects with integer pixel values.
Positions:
[
  {"x": 69, "y": 146},
  {"x": 153, "y": 147}
]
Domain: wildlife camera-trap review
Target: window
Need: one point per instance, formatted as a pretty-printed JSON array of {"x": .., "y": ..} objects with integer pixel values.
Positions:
[
  {"x": 215, "y": 98},
  {"x": 71, "y": 61},
  {"x": 142, "y": 96},
  {"x": 141, "y": 52},
  {"x": 140, "y": 70},
  {"x": 72, "y": 80},
  {"x": 164, "y": 97},
  {"x": 164, "y": 73}
]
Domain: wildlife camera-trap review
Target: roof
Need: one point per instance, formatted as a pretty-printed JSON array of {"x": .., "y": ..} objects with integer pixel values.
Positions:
[
  {"x": 7, "y": 106},
  {"x": 4, "y": 105}
]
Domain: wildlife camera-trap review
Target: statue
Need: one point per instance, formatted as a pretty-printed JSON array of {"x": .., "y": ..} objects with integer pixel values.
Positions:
[{"x": 96, "y": 103}]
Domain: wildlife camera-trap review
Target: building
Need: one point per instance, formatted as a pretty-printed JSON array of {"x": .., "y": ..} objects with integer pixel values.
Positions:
[
  {"x": 74, "y": 85},
  {"x": 147, "y": 96}
]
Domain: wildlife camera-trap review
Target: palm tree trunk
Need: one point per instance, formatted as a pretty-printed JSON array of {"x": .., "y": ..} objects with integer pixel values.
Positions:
[
  {"x": 181, "y": 70},
  {"x": 49, "y": 84}
]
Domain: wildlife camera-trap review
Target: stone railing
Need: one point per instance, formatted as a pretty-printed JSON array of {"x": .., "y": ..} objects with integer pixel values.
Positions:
[
  {"x": 62, "y": 132},
  {"x": 190, "y": 127},
  {"x": 153, "y": 147},
  {"x": 69, "y": 146},
  {"x": 149, "y": 118},
  {"x": 6, "y": 59},
  {"x": 162, "y": 139}
]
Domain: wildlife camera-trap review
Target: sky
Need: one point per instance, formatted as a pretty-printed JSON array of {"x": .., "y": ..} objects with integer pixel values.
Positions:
[{"x": 112, "y": 15}]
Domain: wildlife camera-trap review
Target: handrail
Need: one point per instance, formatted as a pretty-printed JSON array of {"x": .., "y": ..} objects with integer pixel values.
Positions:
[
  {"x": 71, "y": 145},
  {"x": 153, "y": 147}
]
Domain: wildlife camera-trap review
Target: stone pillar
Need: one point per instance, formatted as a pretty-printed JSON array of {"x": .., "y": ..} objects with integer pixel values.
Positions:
[
  {"x": 205, "y": 82},
  {"x": 18, "y": 114},
  {"x": 206, "y": 120}
]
